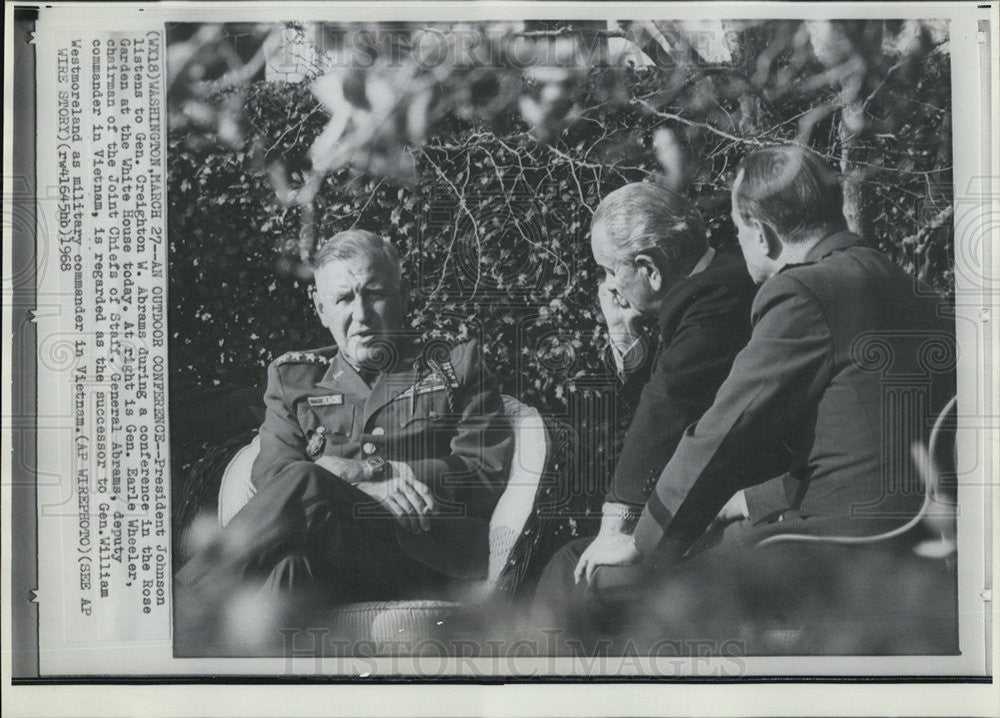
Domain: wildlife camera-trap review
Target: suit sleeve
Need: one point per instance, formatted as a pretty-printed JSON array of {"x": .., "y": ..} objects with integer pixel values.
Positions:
[
  {"x": 690, "y": 368},
  {"x": 769, "y": 395},
  {"x": 474, "y": 471},
  {"x": 282, "y": 441},
  {"x": 767, "y": 499}
]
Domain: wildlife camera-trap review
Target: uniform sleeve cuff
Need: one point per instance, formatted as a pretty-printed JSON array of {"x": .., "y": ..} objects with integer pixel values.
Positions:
[
  {"x": 401, "y": 470},
  {"x": 450, "y": 479},
  {"x": 766, "y": 499},
  {"x": 647, "y": 534},
  {"x": 427, "y": 471},
  {"x": 656, "y": 548}
]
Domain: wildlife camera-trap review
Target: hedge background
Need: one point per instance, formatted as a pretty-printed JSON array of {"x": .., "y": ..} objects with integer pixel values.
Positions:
[{"x": 494, "y": 239}]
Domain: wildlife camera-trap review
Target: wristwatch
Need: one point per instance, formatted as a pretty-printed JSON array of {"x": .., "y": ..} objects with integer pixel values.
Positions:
[
  {"x": 628, "y": 514},
  {"x": 375, "y": 468},
  {"x": 619, "y": 511}
]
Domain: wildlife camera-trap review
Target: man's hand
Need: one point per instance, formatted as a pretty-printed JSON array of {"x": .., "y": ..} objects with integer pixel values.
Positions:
[
  {"x": 407, "y": 498},
  {"x": 623, "y": 319},
  {"x": 610, "y": 548},
  {"x": 735, "y": 510},
  {"x": 350, "y": 470}
]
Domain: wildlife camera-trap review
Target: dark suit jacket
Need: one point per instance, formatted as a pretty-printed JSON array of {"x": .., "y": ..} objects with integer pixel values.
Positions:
[
  {"x": 848, "y": 364},
  {"x": 704, "y": 321},
  {"x": 447, "y": 425}
]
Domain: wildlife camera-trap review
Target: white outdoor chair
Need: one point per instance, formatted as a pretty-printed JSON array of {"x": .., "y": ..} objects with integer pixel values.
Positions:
[{"x": 413, "y": 620}]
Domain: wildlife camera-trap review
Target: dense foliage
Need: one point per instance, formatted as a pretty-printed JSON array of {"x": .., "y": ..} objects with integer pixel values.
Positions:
[{"x": 494, "y": 235}]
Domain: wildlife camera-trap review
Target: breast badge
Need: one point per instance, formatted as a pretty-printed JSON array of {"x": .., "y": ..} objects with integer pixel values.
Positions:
[{"x": 316, "y": 443}]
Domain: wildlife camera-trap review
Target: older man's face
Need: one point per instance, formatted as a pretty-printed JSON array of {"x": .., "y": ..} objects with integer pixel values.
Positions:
[
  {"x": 625, "y": 285},
  {"x": 361, "y": 304}
]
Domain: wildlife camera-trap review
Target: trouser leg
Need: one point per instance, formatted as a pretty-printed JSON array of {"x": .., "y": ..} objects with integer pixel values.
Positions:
[
  {"x": 573, "y": 615},
  {"x": 308, "y": 532},
  {"x": 557, "y": 597}
]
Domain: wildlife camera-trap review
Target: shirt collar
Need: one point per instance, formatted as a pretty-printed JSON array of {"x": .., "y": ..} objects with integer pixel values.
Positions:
[
  {"x": 702, "y": 263},
  {"x": 830, "y": 244},
  {"x": 342, "y": 376}
]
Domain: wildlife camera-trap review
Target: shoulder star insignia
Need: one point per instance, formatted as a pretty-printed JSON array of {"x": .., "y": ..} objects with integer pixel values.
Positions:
[{"x": 301, "y": 358}]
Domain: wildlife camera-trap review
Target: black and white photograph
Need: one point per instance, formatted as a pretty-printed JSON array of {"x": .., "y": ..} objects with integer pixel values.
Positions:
[
  {"x": 422, "y": 344},
  {"x": 630, "y": 337}
]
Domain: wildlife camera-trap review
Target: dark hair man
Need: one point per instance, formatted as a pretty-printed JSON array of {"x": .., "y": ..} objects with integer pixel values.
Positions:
[
  {"x": 810, "y": 398},
  {"x": 361, "y": 443},
  {"x": 652, "y": 245}
]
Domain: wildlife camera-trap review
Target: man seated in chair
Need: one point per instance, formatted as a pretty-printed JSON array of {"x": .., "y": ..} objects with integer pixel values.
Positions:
[
  {"x": 806, "y": 434},
  {"x": 652, "y": 246},
  {"x": 380, "y": 462}
]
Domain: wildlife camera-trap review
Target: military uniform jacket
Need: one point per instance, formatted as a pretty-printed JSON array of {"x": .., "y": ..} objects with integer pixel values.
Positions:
[
  {"x": 849, "y": 362},
  {"x": 439, "y": 412}
]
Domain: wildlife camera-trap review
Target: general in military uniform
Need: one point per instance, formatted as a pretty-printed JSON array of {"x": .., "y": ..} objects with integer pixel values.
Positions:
[{"x": 380, "y": 460}]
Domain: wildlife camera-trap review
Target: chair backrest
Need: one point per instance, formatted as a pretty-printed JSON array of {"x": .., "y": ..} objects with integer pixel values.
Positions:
[
  {"x": 516, "y": 507},
  {"x": 236, "y": 489},
  {"x": 510, "y": 519}
]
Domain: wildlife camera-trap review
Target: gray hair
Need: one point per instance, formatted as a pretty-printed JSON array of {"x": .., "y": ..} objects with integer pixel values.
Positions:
[
  {"x": 647, "y": 218},
  {"x": 359, "y": 244}
]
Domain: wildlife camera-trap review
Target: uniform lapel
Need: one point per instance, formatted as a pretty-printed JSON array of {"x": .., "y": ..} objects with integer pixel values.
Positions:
[{"x": 678, "y": 300}]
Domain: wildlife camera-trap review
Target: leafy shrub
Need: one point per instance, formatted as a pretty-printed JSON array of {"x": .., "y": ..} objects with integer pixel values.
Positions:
[{"x": 494, "y": 240}]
